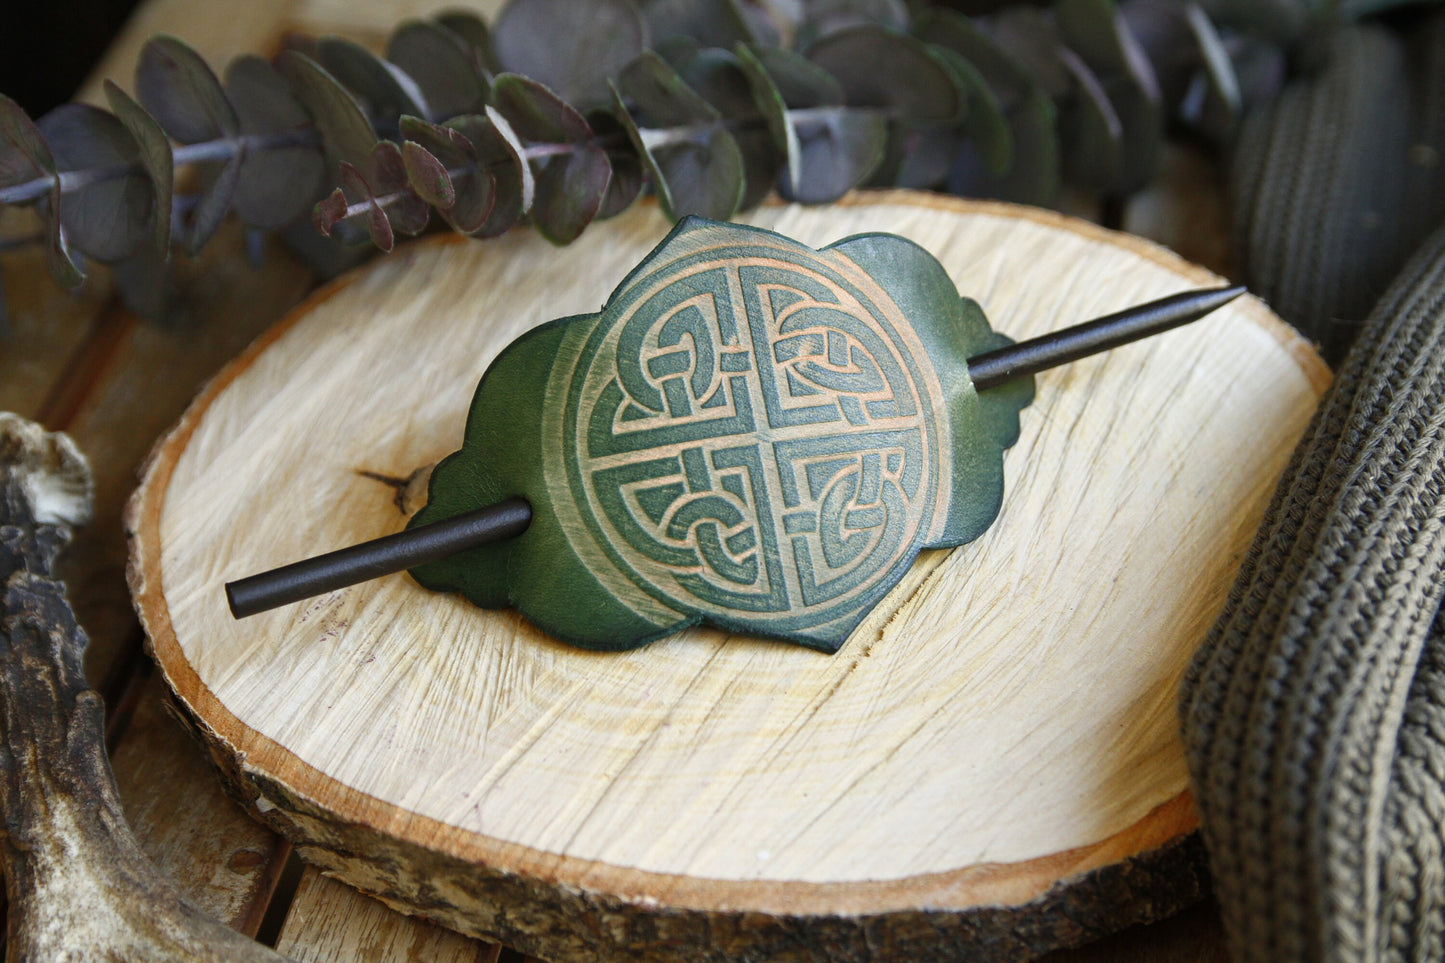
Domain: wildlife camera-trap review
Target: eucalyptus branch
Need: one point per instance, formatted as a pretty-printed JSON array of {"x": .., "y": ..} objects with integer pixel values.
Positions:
[{"x": 563, "y": 128}]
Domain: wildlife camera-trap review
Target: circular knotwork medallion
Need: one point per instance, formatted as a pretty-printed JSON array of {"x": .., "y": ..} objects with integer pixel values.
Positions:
[{"x": 756, "y": 434}]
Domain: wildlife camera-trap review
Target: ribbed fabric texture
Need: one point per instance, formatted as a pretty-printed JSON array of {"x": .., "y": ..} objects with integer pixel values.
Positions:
[
  {"x": 1317, "y": 181},
  {"x": 1317, "y": 767}
]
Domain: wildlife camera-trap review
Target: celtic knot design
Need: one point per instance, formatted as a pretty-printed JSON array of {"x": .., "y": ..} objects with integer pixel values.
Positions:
[{"x": 757, "y": 433}]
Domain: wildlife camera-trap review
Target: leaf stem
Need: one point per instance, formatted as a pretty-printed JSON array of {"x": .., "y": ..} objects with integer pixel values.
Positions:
[{"x": 222, "y": 149}]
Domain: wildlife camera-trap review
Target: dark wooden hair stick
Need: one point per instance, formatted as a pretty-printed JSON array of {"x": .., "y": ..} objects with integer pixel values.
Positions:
[{"x": 425, "y": 543}]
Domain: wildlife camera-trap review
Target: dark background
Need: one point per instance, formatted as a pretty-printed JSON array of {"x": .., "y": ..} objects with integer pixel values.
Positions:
[{"x": 47, "y": 49}]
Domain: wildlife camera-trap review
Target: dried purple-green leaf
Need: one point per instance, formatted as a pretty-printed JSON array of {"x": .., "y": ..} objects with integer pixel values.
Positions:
[
  {"x": 110, "y": 217},
  {"x": 428, "y": 176},
  {"x": 359, "y": 192},
  {"x": 346, "y": 134},
  {"x": 573, "y": 55},
  {"x": 276, "y": 184},
  {"x": 711, "y": 23},
  {"x": 628, "y": 175},
  {"x": 329, "y": 211},
  {"x": 442, "y": 66},
  {"x": 838, "y": 149},
  {"x": 499, "y": 157},
  {"x": 179, "y": 89},
  {"x": 383, "y": 91},
  {"x": 536, "y": 113},
  {"x": 387, "y": 174},
  {"x": 891, "y": 71},
  {"x": 571, "y": 168},
  {"x": 155, "y": 158},
  {"x": 473, "y": 187}
]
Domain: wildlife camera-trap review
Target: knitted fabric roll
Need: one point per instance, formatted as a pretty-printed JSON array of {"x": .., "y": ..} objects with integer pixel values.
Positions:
[
  {"x": 1317, "y": 183},
  {"x": 1317, "y": 767}
]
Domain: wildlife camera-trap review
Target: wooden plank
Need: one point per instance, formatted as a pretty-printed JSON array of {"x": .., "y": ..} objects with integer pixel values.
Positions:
[
  {"x": 47, "y": 326},
  {"x": 145, "y": 385},
  {"x": 223, "y": 861},
  {"x": 333, "y": 923}
]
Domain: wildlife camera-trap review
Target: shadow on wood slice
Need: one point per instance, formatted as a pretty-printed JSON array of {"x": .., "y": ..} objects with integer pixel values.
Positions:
[{"x": 988, "y": 769}]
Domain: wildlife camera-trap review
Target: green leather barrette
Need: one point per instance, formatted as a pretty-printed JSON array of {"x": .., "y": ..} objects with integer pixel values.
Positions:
[{"x": 750, "y": 433}]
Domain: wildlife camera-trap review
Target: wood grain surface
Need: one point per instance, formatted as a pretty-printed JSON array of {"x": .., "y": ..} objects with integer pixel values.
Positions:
[{"x": 951, "y": 767}]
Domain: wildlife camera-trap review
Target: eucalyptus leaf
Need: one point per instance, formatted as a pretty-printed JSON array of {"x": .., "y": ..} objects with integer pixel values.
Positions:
[
  {"x": 838, "y": 148},
  {"x": 387, "y": 173},
  {"x": 276, "y": 185},
  {"x": 179, "y": 89},
  {"x": 147, "y": 284},
  {"x": 1034, "y": 175},
  {"x": 384, "y": 91},
  {"x": 696, "y": 168},
  {"x": 1215, "y": 103},
  {"x": 1092, "y": 132},
  {"x": 442, "y": 65},
  {"x": 24, "y": 155},
  {"x": 800, "y": 82},
  {"x": 771, "y": 107},
  {"x": 570, "y": 190},
  {"x": 427, "y": 175},
  {"x": 1162, "y": 30},
  {"x": 711, "y": 23},
  {"x": 499, "y": 157},
  {"x": 358, "y": 191},
  {"x": 330, "y": 211},
  {"x": 106, "y": 219},
  {"x": 657, "y": 90},
  {"x": 210, "y": 210},
  {"x": 471, "y": 186},
  {"x": 1102, "y": 40},
  {"x": 475, "y": 37},
  {"x": 824, "y": 17},
  {"x": 892, "y": 71},
  {"x": 918, "y": 158},
  {"x": 345, "y": 132},
  {"x": 985, "y": 123},
  {"x": 719, "y": 78},
  {"x": 1033, "y": 41},
  {"x": 536, "y": 113},
  {"x": 572, "y": 176},
  {"x": 628, "y": 175},
  {"x": 155, "y": 157},
  {"x": 572, "y": 55}
]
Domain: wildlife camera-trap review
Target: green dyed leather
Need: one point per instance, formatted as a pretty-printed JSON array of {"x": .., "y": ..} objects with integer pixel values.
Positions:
[{"x": 751, "y": 434}]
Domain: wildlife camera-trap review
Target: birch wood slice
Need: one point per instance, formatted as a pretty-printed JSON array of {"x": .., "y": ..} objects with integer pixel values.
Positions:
[{"x": 989, "y": 768}]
